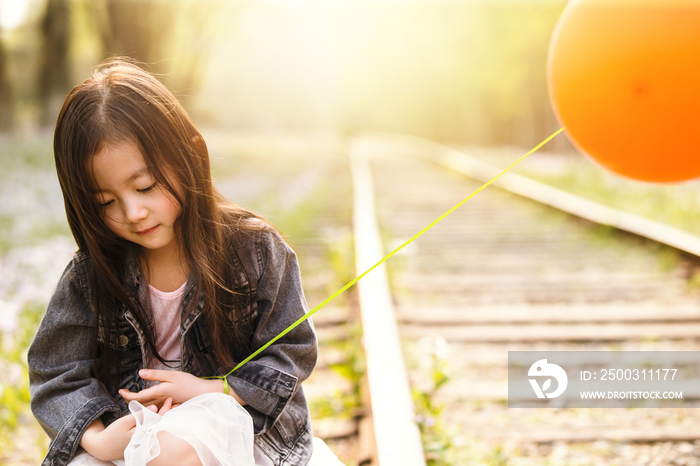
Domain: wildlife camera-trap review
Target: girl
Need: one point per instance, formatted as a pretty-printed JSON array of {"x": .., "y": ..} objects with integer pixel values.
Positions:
[{"x": 168, "y": 275}]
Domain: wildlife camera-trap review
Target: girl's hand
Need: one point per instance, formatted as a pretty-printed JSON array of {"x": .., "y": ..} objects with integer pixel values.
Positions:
[
  {"x": 180, "y": 386},
  {"x": 108, "y": 444}
]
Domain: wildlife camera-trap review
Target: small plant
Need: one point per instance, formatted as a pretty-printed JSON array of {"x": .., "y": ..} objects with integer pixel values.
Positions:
[
  {"x": 675, "y": 205},
  {"x": 444, "y": 444},
  {"x": 498, "y": 457},
  {"x": 437, "y": 442},
  {"x": 352, "y": 367},
  {"x": 14, "y": 384},
  {"x": 693, "y": 283},
  {"x": 14, "y": 402},
  {"x": 339, "y": 257}
]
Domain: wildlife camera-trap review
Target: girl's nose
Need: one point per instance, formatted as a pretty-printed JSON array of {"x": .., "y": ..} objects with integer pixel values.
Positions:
[{"x": 134, "y": 211}]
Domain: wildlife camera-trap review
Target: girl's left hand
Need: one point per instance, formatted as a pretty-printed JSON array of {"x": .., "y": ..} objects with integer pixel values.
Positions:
[{"x": 180, "y": 386}]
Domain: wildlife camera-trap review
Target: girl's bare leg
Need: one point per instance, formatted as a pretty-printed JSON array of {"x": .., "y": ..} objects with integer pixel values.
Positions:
[{"x": 174, "y": 451}]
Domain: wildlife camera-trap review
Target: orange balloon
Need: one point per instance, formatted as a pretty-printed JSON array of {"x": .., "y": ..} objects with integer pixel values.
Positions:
[{"x": 624, "y": 80}]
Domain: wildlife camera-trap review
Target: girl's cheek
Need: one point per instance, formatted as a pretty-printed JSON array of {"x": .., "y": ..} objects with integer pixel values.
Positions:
[
  {"x": 111, "y": 218},
  {"x": 172, "y": 199},
  {"x": 107, "y": 216}
]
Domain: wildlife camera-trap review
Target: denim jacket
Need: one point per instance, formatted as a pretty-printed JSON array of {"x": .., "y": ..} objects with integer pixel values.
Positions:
[{"x": 66, "y": 398}]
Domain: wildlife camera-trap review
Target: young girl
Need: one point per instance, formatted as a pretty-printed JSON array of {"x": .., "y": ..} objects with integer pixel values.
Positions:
[{"x": 171, "y": 286}]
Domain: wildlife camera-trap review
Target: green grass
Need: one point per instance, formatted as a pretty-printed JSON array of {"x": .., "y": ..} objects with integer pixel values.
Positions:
[
  {"x": 672, "y": 204},
  {"x": 14, "y": 384},
  {"x": 31, "y": 207},
  {"x": 675, "y": 205},
  {"x": 351, "y": 367},
  {"x": 27, "y": 164},
  {"x": 444, "y": 443},
  {"x": 35, "y": 152}
]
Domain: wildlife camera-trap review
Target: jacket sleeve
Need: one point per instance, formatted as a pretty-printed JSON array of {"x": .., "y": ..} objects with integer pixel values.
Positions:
[
  {"x": 65, "y": 396},
  {"x": 268, "y": 382}
]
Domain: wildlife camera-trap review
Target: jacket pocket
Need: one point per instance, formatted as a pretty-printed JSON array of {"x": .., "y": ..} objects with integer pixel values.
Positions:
[{"x": 290, "y": 425}]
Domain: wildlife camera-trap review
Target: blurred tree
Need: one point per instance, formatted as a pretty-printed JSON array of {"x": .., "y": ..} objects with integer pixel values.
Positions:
[
  {"x": 54, "y": 68},
  {"x": 172, "y": 36},
  {"x": 6, "y": 104},
  {"x": 139, "y": 29},
  {"x": 470, "y": 72}
]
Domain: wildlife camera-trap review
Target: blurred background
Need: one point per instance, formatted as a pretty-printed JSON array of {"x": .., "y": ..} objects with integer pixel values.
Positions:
[
  {"x": 457, "y": 71},
  {"x": 280, "y": 89}
]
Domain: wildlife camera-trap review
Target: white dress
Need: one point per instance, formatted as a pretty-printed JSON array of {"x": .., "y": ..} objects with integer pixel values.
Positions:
[{"x": 218, "y": 428}]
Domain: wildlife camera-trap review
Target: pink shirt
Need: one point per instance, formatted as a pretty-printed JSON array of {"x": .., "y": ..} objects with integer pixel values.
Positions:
[{"x": 166, "y": 308}]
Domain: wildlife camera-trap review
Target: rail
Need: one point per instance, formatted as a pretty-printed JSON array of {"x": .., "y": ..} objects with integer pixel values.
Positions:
[{"x": 397, "y": 436}]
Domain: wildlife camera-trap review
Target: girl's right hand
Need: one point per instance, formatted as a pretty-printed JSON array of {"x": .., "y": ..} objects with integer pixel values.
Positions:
[{"x": 108, "y": 444}]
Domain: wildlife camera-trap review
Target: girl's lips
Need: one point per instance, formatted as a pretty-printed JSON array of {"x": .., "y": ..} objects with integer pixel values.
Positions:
[{"x": 147, "y": 231}]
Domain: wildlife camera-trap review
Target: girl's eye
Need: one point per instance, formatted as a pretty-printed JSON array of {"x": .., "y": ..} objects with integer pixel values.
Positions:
[
  {"x": 145, "y": 190},
  {"x": 104, "y": 204}
]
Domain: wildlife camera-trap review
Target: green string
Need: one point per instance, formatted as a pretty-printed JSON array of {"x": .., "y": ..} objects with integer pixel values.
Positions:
[{"x": 384, "y": 259}]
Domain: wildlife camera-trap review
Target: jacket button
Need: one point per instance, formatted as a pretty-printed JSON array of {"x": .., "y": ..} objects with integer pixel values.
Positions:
[{"x": 123, "y": 341}]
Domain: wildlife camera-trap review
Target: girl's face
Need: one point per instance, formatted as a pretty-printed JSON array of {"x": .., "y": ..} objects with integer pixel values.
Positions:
[{"x": 134, "y": 205}]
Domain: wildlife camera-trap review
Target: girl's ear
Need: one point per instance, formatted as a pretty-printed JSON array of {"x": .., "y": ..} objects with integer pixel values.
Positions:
[{"x": 200, "y": 146}]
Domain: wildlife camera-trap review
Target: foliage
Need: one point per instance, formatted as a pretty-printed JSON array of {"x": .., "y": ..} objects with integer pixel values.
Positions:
[
  {"x": 672, "y": 204},
  {"x": 352, "y": 368},
  {"x": 453, "y": 71},
  {"x": 14, "y": 382},
  {"x": 31, "y": 205},
  {"x": 61, "y": 41},
  {"x": 443, "y": 443},
  {"x": 31, "y": 212},
  {"x": 339, "y": 259},
  {"x": 437, "y": 441},
  {"x": 448, "y": 71}
]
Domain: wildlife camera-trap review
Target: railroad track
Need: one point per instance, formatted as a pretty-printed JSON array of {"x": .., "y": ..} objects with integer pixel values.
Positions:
[
  {"x": 501, "y": 273},
  {"x": 508, "y": 273}
]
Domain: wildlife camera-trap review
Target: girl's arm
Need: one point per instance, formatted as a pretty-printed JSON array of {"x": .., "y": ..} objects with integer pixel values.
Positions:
[
  {"x": 271, "y": 380},
  {"x": 108, "y": 444},
  {"x": 65, "y": 396}
]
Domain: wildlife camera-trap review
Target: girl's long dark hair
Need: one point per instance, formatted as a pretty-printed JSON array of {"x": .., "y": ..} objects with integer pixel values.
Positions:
[{"x": 122, "y": 102}]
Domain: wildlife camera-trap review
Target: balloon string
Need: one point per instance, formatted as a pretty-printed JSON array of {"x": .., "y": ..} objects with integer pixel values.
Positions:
[{"x": 385, "y": 258}]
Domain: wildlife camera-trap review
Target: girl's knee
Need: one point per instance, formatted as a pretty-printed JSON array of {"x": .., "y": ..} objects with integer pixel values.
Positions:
[{"x": 174, "y": 450}]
